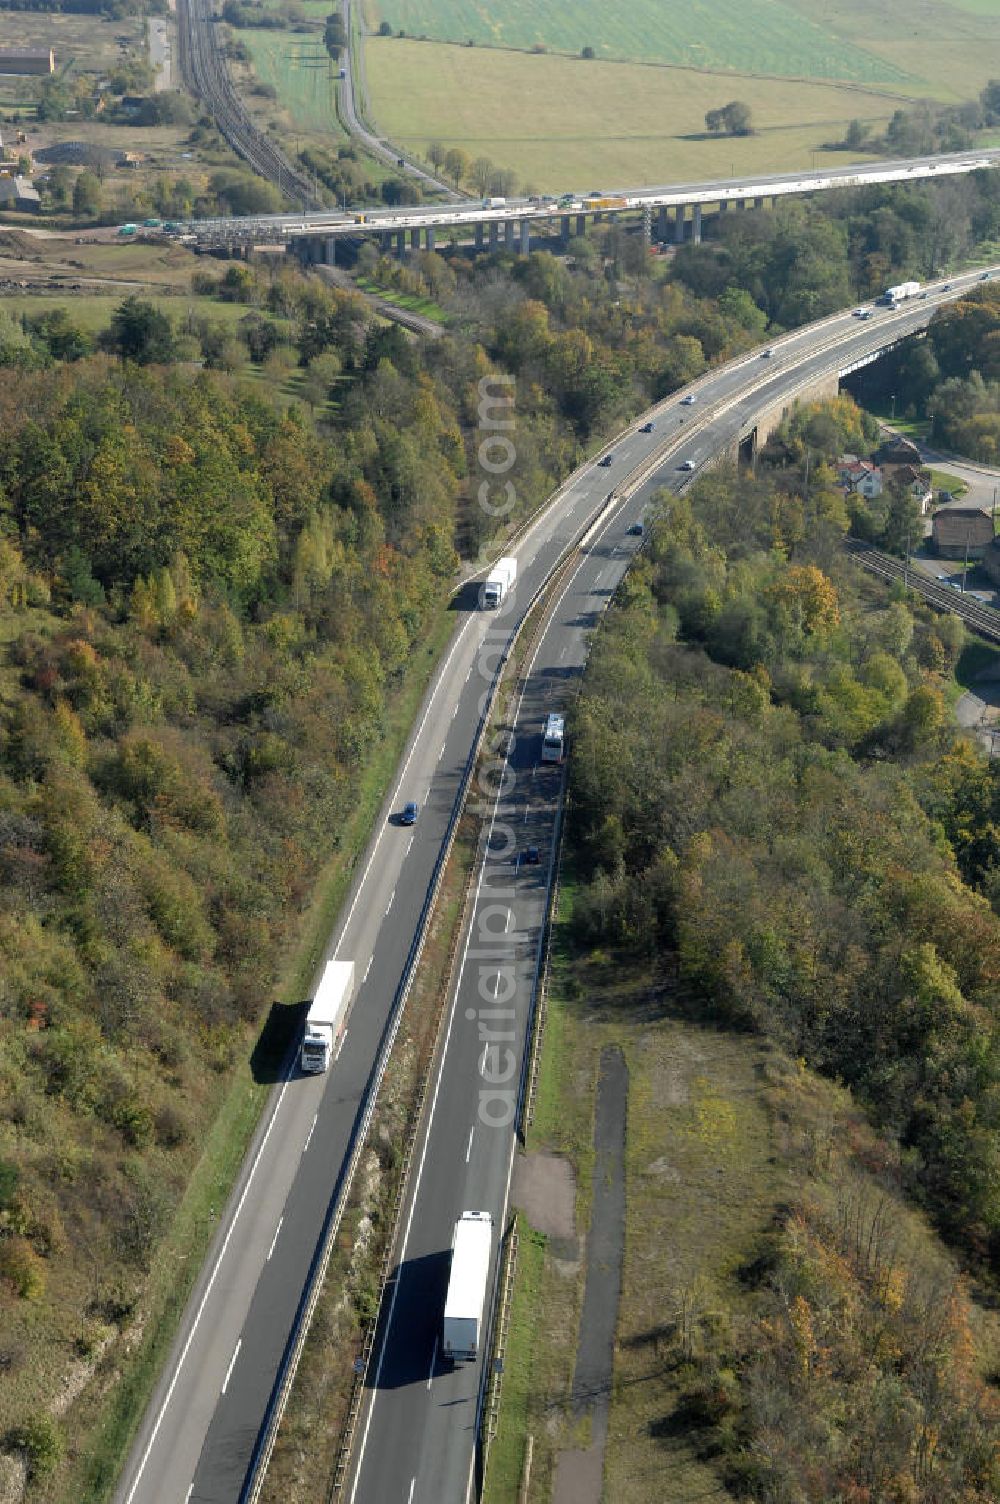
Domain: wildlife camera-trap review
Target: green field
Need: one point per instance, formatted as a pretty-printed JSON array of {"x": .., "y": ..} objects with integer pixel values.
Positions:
[
  {"x": 297, "y": 65},
  {"x": 566, "y": 123},
  {"x": 751, "y": 36}
]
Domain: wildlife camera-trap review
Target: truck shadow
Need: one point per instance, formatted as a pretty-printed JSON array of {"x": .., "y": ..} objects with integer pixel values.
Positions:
[
  {"x": 420, "y": 1286},
  {"x": 467, "y": 598},
  {"x": 277, "y": 1039}
]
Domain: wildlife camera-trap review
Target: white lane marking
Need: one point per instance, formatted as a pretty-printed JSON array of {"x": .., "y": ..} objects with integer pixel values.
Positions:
[
  {"x": 204, "y": 1299},
  {"x": 496, "y": 984},
  {"x": 188, "y": 1494},
  {"x": 340, "y": 1045},
  {"x": 392, "y": 899},
  {"x": 469, "y": 674},
  {"x": 441, "y": 753},
  {"x": 312, "y": 1130},
  {"x": 441, "y": 679},
  {"x": 468, "y": 1147},
  {"x": 368, "y": 968},
  {"x": 506, "y": 925},
  {"x": 232, "y": 1364},
  {"x": 455, "y": 711},
  {"x": 407, "y": 851},
  {"x": 274, "y": 1241},
  {"x": 430, "y": 1373},
  {"x": 413, "y": 1484},
  {"x": 482, "y": 1063},
  {"x": 562, "y": 651},
  {"x": 415, "y": 1193},
  {"x": 527, "y": 812}
]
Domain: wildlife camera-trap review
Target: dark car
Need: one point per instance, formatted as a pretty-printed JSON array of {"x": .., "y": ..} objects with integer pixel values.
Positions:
[
  {"x": 647, "y": 428},
  {"x": 410, "y": 813},
  {"x": 531, "y": 856},
  {"x": 607, "y": 460},
  {"x": 636, "y": 530}
]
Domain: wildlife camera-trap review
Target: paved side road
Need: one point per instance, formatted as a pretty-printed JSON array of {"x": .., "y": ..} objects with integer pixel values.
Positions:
[{"x": 579, "y": 1472}]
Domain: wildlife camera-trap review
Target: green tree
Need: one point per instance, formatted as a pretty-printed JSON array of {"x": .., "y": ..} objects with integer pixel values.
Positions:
[
  {"x": 87, "y": 194},
  {"x": 140, "y": 332}
]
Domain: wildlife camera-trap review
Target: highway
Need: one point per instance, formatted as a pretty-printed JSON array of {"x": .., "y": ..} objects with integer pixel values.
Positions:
[
  {"x": 459, "y": 213},
  {"x": 198, "y": 1439},
  {"x": 417, "y": 1437}
]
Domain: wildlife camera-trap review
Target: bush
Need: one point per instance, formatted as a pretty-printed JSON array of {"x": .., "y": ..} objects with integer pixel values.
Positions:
[
  {"x": 41, "y": 1441},
  {"x": 21, "y": 1267}
]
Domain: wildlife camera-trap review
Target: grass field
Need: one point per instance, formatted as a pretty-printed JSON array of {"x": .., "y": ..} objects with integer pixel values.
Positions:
[
  {"x": 297, "y": 65},
  {"x": 751, "y": 36},
  {"x": 564, "y": 123}
]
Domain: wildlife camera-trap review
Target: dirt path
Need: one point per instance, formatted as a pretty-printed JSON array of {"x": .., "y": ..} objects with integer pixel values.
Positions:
[{"x": 579, "y": 1472}]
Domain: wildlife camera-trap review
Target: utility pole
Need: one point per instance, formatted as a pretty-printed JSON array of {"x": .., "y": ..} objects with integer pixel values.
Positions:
[
  {"x": 906, "y": 561},
  {"x": 965, "y": 571}
]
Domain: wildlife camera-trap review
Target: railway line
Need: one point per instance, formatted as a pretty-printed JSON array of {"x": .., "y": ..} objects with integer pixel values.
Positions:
[
  {"x": 981, "y": 619},
  {"x": 204, "y": 70}
]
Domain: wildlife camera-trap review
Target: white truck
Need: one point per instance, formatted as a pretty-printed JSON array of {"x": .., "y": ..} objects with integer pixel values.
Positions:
[
  {"x": 554, "y": 739},
  {"x": 494, "y": 203},
  {"x": 326, "y": 1015},
  {"x": 899, "y": 294},
  {"x": 470, "y": 1267},
  {"x": 500, "y": 583}
]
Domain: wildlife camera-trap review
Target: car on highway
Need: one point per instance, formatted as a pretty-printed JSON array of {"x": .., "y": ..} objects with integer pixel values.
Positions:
[
  {"x": 647, "y": 428},
  {"x": 860, "y": 313},
  {"x": 532, "y": 856},
  {"x": 985, "y": 277},
  {"x": 410, "y": 813},
  {"x": 689, "y": 400},
  {"x": 636, "y": 530},
  {"x": 766, "y": 354},
  {"x": 687, "y": 465},
  {"x": 946, "y": 287},
  {"x": 606, "y": 461}
]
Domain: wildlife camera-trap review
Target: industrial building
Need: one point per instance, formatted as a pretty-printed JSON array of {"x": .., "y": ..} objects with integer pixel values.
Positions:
[{"x": 30, "y": 60}]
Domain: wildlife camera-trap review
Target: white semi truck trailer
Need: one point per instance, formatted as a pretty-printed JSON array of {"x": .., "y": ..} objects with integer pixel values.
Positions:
[
  {"x": 326, "y": 1015},
  {"x": 470, "y": 1268}
]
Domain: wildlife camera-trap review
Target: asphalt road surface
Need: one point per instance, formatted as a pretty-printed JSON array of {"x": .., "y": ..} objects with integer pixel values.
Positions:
[{"x": 198, "y": 1438}]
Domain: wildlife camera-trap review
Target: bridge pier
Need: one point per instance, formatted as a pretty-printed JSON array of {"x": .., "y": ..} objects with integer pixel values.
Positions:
[
  {"x": 662, "y": 223},
  {"x": 647, "y": 226},
  {"x": 330, "y": 251},
  {"x": 525, "y": 237},
  {"x": 400, "y": 244},
  {"x": 494, "y": 236},
  {"x": 758, "y": 203},
  {"x": 565, "y": 234},
  {"x": 679, "y": 214},
  {"x": 581, "y": 224},
  {"x": 479, "y": 236},
  {"x": 696, "y": 224},
  {"x": 431, "y": 238},
  {"x": 508, "y": 234},
  {"x": 415, "y": 238}
]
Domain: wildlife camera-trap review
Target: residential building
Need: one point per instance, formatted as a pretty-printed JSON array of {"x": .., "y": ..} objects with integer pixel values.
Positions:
[
  {"x": 860, "y": 476},
  {"x": 960, "y": 532}
]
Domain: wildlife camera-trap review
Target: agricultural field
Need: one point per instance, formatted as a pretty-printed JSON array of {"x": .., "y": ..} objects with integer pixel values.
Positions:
[
  {"x": 565, "y": 123},
  {"x": 297, "y": 65},
  {"x": 744, "y": 36},
  {"x": 948, "y": 48}
]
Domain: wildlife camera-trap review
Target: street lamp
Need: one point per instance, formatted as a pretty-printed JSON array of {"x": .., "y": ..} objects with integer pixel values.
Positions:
[{"x": 892, "y": 399}]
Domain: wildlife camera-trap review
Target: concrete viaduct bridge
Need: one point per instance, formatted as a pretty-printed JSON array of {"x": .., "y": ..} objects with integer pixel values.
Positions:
[{"x": 668, "y": 214}]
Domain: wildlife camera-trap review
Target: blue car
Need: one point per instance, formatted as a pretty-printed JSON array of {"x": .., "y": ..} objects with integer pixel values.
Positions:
[{"x": 409, "y": 815}]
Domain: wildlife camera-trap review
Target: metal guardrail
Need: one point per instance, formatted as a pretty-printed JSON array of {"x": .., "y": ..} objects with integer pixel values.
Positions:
[{"x": 262, "y": 1456}]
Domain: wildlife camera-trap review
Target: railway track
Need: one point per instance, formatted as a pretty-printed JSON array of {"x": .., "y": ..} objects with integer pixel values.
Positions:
[
  {"x": 205, "y": 73},
  {"x": 983, "y": 620}
]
